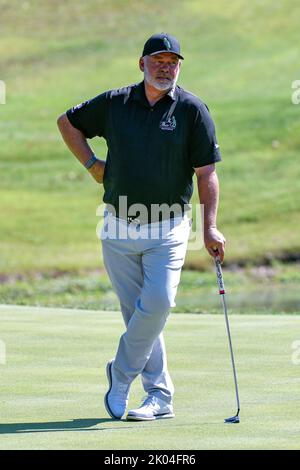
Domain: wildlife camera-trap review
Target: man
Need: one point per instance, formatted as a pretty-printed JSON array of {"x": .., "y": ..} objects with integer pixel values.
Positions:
[{"x": 157, "y": 135}]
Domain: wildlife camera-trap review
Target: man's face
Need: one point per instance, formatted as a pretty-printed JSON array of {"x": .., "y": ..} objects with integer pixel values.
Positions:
[{"x": 161, "y": 70}]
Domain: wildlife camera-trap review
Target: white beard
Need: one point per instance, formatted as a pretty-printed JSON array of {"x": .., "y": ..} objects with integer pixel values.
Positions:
[{"x": 159, "y": 86}]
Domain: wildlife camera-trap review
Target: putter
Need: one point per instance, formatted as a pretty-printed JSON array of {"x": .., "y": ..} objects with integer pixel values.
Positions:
[{"x": 233, "y": 419}]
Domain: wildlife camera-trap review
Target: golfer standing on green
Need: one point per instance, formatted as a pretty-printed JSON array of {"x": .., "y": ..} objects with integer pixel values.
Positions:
[{"x": 158, "y": 135}]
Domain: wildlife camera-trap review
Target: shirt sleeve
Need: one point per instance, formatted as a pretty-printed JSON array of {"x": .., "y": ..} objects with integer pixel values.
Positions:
[
  {"x": 90, "y": 116},
  {"x": 204, "y": 148}
]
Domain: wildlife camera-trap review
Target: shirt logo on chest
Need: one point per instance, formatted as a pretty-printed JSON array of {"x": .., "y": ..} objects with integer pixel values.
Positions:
[{"x": 168, "y": 124}]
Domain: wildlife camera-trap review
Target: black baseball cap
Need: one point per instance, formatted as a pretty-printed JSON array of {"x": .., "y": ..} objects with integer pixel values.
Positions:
[{"x": 162, "y": 42}]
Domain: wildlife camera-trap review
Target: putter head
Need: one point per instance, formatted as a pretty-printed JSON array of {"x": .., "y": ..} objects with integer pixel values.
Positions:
[{"x": 233, "y": 420}]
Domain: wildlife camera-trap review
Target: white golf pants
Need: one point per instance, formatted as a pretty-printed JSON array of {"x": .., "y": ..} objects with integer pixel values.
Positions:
[{"x": 144, "y": 265}]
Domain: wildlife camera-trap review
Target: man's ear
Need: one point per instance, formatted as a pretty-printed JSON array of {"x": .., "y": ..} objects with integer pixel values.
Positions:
[{"x": 141, "y": 64}]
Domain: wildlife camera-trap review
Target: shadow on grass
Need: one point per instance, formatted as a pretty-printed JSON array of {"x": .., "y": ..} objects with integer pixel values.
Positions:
[
  {"x": 79, "y": 425},
  {"x": 56, "y": 426}
]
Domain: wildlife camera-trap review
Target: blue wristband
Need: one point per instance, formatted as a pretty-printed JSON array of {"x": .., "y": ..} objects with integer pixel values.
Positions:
[{"x": 91, "y": 161}]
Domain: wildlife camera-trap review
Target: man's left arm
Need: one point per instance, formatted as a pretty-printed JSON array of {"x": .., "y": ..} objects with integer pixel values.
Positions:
[{"x": 208, "y": 190}]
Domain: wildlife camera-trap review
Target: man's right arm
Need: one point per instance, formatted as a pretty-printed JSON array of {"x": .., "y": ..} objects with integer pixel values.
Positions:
[{"x": 78, "y": 145}]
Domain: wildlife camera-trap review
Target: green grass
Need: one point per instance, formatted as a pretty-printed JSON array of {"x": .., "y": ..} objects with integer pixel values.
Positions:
[
  {"x": 268, "y": 290},
  {"x": 240, "y": 59},
  {"x": 53, "y": 382}
]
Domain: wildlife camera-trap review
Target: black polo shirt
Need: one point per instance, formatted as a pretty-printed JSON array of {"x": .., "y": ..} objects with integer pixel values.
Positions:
[{"x": 151, "y": 155}]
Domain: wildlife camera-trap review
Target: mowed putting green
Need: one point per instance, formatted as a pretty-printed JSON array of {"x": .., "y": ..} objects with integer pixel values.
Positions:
[{"x": 53, "y": 381}]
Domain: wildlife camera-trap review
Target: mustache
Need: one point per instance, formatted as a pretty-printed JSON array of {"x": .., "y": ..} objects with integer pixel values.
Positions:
[{"x": 156, "y": 80}]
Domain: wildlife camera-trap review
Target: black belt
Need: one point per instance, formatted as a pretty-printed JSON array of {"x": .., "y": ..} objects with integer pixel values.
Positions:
[
  {"x": 137, "y": 220},
  {"x": 131, "y": 218}
]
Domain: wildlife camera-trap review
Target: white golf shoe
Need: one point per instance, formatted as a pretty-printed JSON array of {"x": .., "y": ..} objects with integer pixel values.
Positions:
[
  {"x": 116, "y": 399},
  {"x": 152, "y": 408}
]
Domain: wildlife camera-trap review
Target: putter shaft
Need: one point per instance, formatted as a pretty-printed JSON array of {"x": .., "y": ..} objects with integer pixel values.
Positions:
[{"x": 221, "y": 285}]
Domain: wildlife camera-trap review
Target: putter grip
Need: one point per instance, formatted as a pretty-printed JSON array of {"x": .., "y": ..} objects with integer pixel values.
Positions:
[{"x": 219, "y": 276}]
